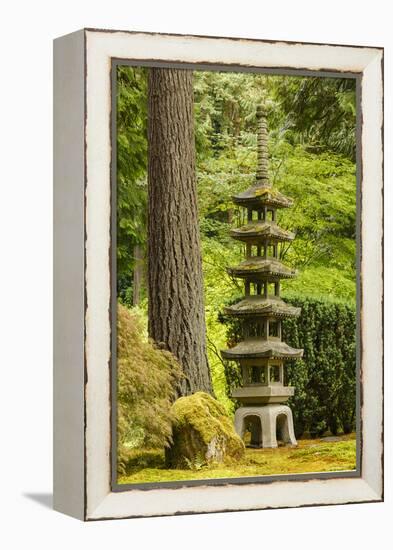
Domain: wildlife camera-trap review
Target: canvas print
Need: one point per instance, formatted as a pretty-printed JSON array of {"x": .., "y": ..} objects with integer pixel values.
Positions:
[{"x": 236, "y": 274}]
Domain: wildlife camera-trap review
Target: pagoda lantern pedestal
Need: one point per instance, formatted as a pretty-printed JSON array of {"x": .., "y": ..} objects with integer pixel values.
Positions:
[
  {"x": 264, "y": 423},
  {"x": 261, "y": 354}
]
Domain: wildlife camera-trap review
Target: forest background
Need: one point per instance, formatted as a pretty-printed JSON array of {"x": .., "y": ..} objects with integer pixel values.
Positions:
[{"x": 312, "y": 147}]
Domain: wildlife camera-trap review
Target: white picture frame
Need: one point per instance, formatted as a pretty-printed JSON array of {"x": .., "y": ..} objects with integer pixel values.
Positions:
[{"x": 82, "y": 254}]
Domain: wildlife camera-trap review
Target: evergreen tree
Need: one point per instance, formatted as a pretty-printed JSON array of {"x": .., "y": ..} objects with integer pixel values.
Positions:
[{"x": 176, "y": 303}]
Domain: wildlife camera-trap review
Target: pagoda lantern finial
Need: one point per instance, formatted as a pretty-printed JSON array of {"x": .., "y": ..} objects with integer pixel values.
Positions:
[
  {"x": 261, "y": 354},
  {"x": 262, "y": 175}
]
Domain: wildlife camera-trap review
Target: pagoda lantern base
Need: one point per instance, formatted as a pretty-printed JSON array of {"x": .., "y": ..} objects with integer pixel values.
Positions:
[{"x": 266, "y": 423}]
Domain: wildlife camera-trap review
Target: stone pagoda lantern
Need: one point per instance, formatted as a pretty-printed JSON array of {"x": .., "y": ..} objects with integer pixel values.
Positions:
[{"x": 262, "y": 354}]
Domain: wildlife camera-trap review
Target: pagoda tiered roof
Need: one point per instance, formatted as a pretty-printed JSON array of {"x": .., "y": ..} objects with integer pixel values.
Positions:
[
  {"x": 258, "y": 196},
  {"x": 254, "y": 348},
  {"x": 261, "y": 230},
  {"x": 257, "y": 305},
  {"x": 258, "y": 268}
]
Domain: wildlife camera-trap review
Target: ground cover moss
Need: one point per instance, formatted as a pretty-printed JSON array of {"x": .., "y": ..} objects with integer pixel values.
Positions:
[{"x": 311, "y": 455}]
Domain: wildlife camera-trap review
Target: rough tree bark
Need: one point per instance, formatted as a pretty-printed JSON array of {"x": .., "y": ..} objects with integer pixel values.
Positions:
[{"x": 175, "y": 280}]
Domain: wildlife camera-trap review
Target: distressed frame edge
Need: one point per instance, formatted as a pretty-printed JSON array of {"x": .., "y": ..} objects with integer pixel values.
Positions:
[{"x": 375, "y": 494}]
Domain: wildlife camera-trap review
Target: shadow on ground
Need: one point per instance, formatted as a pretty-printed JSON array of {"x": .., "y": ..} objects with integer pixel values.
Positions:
[{"x": 45, "y": 499}]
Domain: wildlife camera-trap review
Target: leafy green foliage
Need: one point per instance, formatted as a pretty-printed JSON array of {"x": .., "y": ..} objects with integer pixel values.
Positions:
[
  {"x": 323, "y": 218},
  {"x": 131, "y": 172},
  {"x": 316, "y": 112},
  {"x": 146, "y": 383},
  {"x": 319, "y": 112},
  {"x": 218, "y": 287},
  {"x": 225, "y": 109}
]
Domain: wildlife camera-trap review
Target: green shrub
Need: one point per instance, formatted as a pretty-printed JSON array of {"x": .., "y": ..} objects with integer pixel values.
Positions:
[
  {"x": 325, "y": 378},
  {"x": 146, "y": 387}
]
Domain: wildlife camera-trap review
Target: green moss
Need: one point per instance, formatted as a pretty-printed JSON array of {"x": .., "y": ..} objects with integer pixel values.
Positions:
[
  {"x": 136, "y": 460},
  {"x": 202, "y": 432},
  {"x": 310, "y": 456},
  {"x": 268, "y": 191},
  {"x": 259, "y": 227},
  {"x": 204, "y": 414},
  {"x": 250, "y": 266},
  {"x": 273, "y": 194}
]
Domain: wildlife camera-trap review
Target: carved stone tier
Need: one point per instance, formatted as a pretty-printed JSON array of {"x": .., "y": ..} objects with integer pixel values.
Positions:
[
  {"x": 255, "y": 306},
  {"x": 260, "y": 231},
  {"x": 258, "y": 268},
  {"x": 258, "y": 348},
  {"x": 258, "y": 394}
]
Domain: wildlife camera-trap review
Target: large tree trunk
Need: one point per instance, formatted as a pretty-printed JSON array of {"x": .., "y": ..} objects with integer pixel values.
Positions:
[{"x": 175, "y": 280}]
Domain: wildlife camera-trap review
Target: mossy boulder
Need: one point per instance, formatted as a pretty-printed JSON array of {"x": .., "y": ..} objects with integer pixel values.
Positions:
[{"x": 202, "y": 433}]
